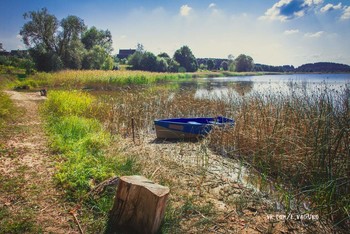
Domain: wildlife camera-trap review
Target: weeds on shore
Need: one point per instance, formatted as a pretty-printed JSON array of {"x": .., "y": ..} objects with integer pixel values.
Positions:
[{"x": 300, "y": 140}]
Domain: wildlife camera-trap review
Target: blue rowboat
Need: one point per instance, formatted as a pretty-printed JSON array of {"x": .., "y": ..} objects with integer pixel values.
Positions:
[{"x": 188, "y": 128}]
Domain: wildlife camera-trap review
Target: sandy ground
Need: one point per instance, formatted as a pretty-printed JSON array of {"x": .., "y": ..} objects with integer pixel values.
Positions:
[{"x": 28, "y": 156}]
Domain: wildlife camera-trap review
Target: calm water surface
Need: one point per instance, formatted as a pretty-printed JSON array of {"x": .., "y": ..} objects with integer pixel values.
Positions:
[{"x": 272, "y": 84}]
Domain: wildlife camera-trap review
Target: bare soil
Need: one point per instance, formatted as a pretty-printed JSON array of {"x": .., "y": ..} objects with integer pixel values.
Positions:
[{"x": 26, "y": 158}]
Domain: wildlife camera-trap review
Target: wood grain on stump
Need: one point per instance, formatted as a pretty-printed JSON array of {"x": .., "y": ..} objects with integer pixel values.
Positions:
[{"x": 139, "y": 206}]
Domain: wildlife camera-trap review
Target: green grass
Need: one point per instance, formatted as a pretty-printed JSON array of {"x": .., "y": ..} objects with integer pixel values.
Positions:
[
  {"x": 17, "y": 224},
  {"x": 81, "y": 142},
  {"x": 7, "y": 110},
  {"x": 12, "y": 221}
]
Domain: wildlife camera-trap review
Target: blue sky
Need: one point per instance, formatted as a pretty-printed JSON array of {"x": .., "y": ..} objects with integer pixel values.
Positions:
[{"x": 275, "y": 32}]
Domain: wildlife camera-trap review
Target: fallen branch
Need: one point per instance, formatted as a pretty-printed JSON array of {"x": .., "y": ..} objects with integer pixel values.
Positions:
[
  {"x": 77, "y": 222},
  {"x": 101, "y": 187}
]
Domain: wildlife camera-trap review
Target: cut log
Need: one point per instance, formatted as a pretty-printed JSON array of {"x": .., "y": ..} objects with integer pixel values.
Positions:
[{"x": 139, "y": 206}]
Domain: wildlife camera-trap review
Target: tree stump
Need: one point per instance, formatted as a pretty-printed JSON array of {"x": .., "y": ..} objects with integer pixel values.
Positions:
[{"x": 139, "y": 206}]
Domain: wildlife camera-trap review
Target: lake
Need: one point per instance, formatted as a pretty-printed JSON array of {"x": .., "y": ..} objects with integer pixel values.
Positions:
[{"x": 272, "y": 84}]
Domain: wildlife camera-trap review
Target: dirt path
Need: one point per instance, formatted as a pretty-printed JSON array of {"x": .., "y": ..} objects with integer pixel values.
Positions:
[{"x": 29, "y": 195}]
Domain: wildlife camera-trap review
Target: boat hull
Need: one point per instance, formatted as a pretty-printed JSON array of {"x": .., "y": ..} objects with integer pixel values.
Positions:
[
  {"x": 166, "y": 133},
  {"x": 188, "y": 128}
]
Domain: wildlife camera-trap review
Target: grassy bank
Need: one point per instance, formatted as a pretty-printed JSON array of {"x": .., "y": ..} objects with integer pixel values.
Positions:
[
  {"x": 111, "y": 80},
  {"x": 80, "y": 143}
]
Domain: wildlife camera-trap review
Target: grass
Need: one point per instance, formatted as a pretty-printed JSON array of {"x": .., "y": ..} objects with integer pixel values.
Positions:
[
  {"x": 298, "y": 140},
  {"x": 6, "y": 109},
  {"x": 110, "y": 80},
  {"x": 12, "y": 221},
  {"x": 80, "y": 142}
]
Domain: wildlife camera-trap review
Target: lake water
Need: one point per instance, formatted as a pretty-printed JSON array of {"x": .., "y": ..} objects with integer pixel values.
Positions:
[{"x": 272, "y": 84}]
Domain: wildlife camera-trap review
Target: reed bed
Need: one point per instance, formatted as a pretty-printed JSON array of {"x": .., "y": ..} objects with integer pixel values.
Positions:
[
  {"x": 299, "y": 140},
  {"x": 102, "y": 80},
  {"x": 111, "y": 80}
]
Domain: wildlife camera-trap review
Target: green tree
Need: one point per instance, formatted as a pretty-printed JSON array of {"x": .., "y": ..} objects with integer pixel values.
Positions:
[
  {"x": 162, "y": 64},
  {"x": 135, "y": 60},
  {"x": 148, "y": 62},
  {"x": 70, "y": 47},
  {"x": 45, "y": 60},
  {"x": 210, "y": 64},
  {"x": 93, "y": 37},
  {"x": 224, "y": 65},
  {"x": 173, "y": 65},
  {"x": 55, "y": 44},
  {"x": 244, "y": 63},
  {"x": 164, "y": 55},
  {"x": 145, "y": 61},
  {"x": 97, "y": 58},
  {"x": 186, "y": 59},
  {"x": 40, "y": 30}
]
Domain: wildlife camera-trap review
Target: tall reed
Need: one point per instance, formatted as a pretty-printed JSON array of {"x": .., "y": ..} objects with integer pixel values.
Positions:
[{"x": 300, "y": 139}]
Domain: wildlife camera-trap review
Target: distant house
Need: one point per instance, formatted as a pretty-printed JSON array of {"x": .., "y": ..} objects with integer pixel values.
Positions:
[
  {"x": 4, "y": 53},
  {"x": 15, "y": 53},
  {"x": 19, "y": 53},
  {"x": 125, "y": 53}
]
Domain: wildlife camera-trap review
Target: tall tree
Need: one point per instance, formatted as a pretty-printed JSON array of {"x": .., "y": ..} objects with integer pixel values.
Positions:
[
  {"x": 58, "y": 44},
  {"x": 244, "y": 63},
  {"x": 210, "y": 64},
  {"x": 40, "y": 30},
  {"x": 186, "y": 59},
  {"x": 98, "y": 58},
  {"x": 70, "y": 47},
  {"x": 93, "y": 37}
]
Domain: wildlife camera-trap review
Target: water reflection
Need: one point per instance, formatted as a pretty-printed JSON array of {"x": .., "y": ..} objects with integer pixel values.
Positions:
[{"x": 296, "y": 84}]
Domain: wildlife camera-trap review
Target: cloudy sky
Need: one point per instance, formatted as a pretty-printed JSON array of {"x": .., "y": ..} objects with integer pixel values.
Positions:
[{"x": 274, "y": 32}]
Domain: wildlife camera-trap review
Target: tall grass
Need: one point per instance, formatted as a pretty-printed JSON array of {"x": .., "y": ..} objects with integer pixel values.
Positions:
[
  {"x": 111, "y": 80},
  {"x": 300, "y": 140},
  {"x": 103, "y": 80}
]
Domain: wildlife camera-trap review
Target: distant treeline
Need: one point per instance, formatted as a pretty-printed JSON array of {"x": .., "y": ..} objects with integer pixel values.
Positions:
[{"x": 323, "y": 67}]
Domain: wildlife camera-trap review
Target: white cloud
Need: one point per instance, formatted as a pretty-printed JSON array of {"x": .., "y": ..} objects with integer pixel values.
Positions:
[
  {"x": 185, "y": 10},
  {"x": 212, "y": 5},
  {"x": 314, "y": 35},
  {"x": 330, "y": 7},
  {"x": 311, "y": 2},
  {"x": 292, "y": 31},
  {"x": 289, "y": 9},
  {"x": 346, "y": 13}
]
